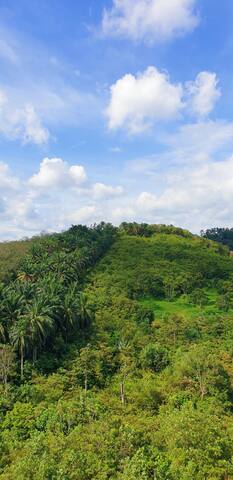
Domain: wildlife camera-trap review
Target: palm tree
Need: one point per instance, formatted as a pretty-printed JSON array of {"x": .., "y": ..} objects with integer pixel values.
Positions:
[
  {"x": 85, "y": 311},
  {"x": 38, "y": 318},
  {"x": 81, "y": 260},
  {"x": 26, "y": 290},
  {"x": 19, "y": 340},
  {"x": 12, "y": 306},
  {"x": 2, "y": 333},
  {"x": 26, "y": 270},
  {"x": 70, "y": 310}
]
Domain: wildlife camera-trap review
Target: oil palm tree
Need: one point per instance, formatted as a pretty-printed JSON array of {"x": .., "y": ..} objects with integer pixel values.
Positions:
[
  {"x": 85, "y": 310},
  {"x": 26, "y": 270},
  {"x": 2, "y": 333},
  {"x": 70, "y": 310},
  {"x": 12, "y": 305},
  {"x": 19, "y": 340},
  {"x": 39, "y": 322}
]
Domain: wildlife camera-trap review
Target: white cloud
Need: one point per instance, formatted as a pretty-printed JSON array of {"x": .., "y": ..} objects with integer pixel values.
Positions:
[
  {"x": 30, "y": 126},
  {"x": 204, "y": 93},
  {"x": 83, "y": 214},
  {"x": 7, "y": 180},
  {"x": 198, "y": 141},
  {"x": 136, "y": 102},
  {"x": 21, "y": 123},
  {"x": 55, "y": 173},
  {"x": 100, "y": 190},
  {"x": 77, "y": 174},
  {"x": 194, "y": 196},
  {"x": 56, "y": 196},
  {"x": 56, "y": 102},
  {"x": 21, "y": 209},
  {"x": 195, "y": 191},
  {"x": 190, "y": 183},
  {"x": 25, "y": 109},
  {"x": 150, "y": 20},
  {"x": 124, "y": 213}
]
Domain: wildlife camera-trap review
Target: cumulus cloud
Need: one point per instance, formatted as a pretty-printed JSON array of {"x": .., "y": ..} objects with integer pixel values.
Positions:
[
  {"x": 21, "y": 123},
  {"x": 56, "y": 196},
  {"x": 203, "y": 93},
  {"x": 150, "y": 20},
  {"x": 137, "y": 101},
  {"x": 55, "y": 172}
]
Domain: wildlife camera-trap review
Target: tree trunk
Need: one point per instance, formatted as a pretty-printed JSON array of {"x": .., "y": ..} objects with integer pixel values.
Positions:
[
  {"x": 85, "y": 383},
  {"x": 202, "y": 390},
  {"x": 5, "y": 381},
  {"x": 122, "y": 393},
  {"x": 202, "y": 386},
  {"x": 34, "y": 354},
  {"x": 21, "y": 361}
]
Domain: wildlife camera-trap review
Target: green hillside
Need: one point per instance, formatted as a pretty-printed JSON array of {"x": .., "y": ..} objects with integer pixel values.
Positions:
[{"x": 116, "y": 357}]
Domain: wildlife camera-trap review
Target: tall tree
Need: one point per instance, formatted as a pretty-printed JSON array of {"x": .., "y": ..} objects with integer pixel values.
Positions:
[
  {"x": 38, "y": 323},
  {"x": 69, "y": 311},
  {"x": 7, "y": 363},
  {"x": 12, "y": 305},
  {"x": 85, "y": 310},
  {"x": 126, "y": 365},
  {"x": 2, "y": 332},
  {"x": 19, "y": 340}
]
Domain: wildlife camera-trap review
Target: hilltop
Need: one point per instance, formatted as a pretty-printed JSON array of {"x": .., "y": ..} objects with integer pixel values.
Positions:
[{"x": 116, "y": 357}]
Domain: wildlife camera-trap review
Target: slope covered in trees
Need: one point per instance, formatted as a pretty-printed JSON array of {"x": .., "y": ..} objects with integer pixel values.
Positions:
[
  {"x": 221, "y": 235},
  {"x": 116, "y": 357}
]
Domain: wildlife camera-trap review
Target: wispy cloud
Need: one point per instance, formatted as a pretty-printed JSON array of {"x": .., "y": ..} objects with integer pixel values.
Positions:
[
  {"x": 8, "y": 52},
  {"x": 21, "y": 122}
]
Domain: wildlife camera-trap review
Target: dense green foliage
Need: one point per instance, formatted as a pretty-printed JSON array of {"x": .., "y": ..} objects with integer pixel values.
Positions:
[
  {"x": 11, "y": 254},
  {"x": 221, "y": 235},
  {"x": 116, "y": 357}
]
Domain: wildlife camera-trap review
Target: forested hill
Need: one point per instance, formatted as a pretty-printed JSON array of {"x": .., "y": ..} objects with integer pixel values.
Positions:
[
  {"x": 221, "y": 235},
  {"x": 116, "y": 357}
]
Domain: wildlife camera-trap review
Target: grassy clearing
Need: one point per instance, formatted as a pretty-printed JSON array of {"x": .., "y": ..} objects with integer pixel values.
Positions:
[{"x": 180, "y": 305}]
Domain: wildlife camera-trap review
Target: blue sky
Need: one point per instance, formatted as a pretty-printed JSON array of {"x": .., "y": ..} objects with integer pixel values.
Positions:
[{"x": 115, "y": 110}]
